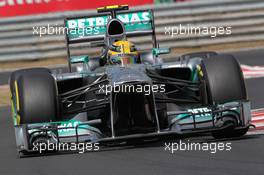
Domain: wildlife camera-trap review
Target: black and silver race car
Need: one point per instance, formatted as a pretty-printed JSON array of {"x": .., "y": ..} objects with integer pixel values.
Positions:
[{"x": 127, "y": 93}]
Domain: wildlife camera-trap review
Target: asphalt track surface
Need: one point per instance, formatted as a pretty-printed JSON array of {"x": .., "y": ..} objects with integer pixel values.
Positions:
[{"x": 245, "y": 157}]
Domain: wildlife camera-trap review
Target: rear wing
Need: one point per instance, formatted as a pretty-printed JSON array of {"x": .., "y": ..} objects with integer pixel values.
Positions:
[{"x": 93, "y": 28}]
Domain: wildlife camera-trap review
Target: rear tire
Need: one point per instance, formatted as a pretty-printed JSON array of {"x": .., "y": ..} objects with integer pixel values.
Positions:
[{"x": 34, "y": 95}]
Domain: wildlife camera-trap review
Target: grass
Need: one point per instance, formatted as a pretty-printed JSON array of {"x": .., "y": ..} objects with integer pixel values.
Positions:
[{"x": 4, "y": 96}]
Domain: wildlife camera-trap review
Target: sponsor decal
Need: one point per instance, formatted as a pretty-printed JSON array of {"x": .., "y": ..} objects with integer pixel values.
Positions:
[
  {"x": 91, "y": 26},
  {"x": 102, "y": 20},
  {"x": 205, "y": 111},
  {"x": 67, "y": 126},
  {"x": 203, "y": 114}
]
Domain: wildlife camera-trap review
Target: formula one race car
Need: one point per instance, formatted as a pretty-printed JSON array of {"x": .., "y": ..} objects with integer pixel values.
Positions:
[{"x": 126, "y": 93}]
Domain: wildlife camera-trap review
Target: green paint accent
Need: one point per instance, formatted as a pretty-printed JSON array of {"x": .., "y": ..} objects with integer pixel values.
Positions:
[
  {"x": 14, "y": 112},
  {"x": 194, "y": 77},
  {"x": 203, "y": 117},
  {"x": 96, "y": 26},
  {"x": 67, "y": 131},
  {"x": 14, "y": 109},
  {"x": 198, "y": 118},
  {"x": 159, "y": 51},
  {"x": 80, "y": 59}
]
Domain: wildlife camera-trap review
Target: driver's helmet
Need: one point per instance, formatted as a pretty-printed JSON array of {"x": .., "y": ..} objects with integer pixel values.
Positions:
[{"x": 123, "y": 52}]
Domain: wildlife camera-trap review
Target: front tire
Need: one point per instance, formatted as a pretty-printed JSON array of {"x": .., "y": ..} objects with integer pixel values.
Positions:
[
  {"x": 224, "y": 79},
  {"x": 225, "y": 83},
  {"x": 230, "y": 133},
  {"x": 34, "y": 96}
]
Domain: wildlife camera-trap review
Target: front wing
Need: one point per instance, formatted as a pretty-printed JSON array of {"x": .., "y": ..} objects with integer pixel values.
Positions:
[{"x": 184, "y": 123}]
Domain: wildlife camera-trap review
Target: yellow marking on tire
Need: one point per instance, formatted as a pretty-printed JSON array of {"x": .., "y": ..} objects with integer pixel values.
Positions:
[
  {"x": 18, "y": 119},
  {"x": 17, "y": 96},
  {"x": 199, "y": 70},
  {"x": 13, "y": 112}
]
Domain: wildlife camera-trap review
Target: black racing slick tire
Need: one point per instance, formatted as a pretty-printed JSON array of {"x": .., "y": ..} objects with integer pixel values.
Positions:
[
  {"x": 230, "y": 130},
  {"x": 199, "y": 54},
  {"x": 225, "y": 83},
  {"x": 195, "y": 55},
  {"x": 229, "y": 133},
  {"x": 224, "y": 79},
  {"x": 14, "y": 76},
  {"x": 34, "y": 95}
]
